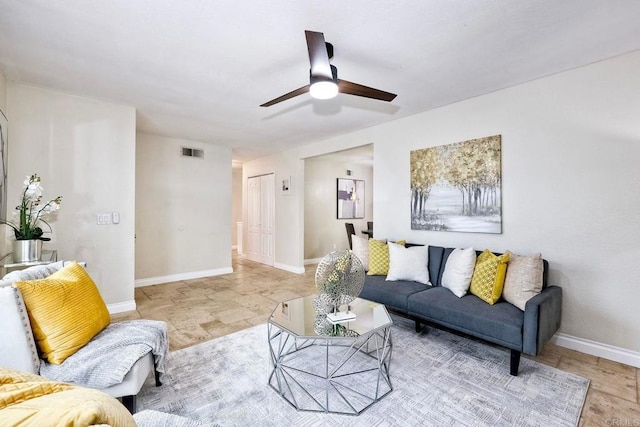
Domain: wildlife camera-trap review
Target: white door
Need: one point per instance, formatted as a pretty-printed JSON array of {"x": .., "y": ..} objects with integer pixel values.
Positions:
[
  {"x": 261, "y": 215},
  {"x": 267, "y": 218},
  {"x": 253, "y": 214}
]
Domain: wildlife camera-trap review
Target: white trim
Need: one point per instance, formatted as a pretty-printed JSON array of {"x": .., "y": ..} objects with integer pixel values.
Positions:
[
  {"x": 606, "y": 351},
  {"x": 182, "y": 276},
  {"x": 312, "y": 261},
  {"x": 121, "y": 307},
  {"x": 289, "y": 268}
]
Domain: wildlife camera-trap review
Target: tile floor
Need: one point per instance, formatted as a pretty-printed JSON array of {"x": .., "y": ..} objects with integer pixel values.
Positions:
[{"x": 203, "y": 309}]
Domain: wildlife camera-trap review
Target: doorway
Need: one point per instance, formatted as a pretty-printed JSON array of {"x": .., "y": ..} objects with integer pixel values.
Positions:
[{"x": 324, "y": 229}]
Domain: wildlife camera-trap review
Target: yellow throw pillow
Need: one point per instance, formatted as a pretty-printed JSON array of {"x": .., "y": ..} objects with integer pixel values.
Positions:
[
  {"x": 379, "y": 257},
  {"x": 66, "y": 311},
  {"x": 488, "y": 277}
]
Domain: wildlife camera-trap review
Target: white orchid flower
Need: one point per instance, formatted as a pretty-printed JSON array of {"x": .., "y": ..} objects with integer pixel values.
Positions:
[{"x": 32, "y": 211}]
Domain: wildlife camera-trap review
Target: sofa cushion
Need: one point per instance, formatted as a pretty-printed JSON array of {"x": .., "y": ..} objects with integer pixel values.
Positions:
[
  {"x": 488, "y": 276},
  {"x": 500, "y": 323},
  {"x": 66, "y": 311},
  {"x": 458, "y": 270},
  {"x": 392, "y": 294},
  {"x": 523, "y": 279},
  {"x": 361, "y": 250},
  {"x": 436, "y": 254},
  {"x": 408, "y": 263}
]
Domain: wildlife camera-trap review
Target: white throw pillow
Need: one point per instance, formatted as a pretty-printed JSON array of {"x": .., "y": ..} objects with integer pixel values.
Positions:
[
  {"x": 408, "y": 263},
  {"x": 523, "y": 280},
  {"x": 458, "y": 271},
  {"x": 361, "y": 249}
]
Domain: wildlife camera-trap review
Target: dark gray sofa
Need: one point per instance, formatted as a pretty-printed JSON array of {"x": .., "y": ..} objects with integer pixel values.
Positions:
[{"x": 502, "y": 323}]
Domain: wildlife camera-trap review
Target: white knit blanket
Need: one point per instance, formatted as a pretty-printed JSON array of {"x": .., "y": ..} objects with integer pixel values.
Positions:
[{"x": 109, "y": 356}]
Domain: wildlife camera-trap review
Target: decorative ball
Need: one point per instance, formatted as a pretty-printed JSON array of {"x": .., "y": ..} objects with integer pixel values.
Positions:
[{"x": 339, "y": 279}]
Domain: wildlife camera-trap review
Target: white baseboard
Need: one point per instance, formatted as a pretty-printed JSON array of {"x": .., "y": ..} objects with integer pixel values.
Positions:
[
  {"x": 290, "y": 268},
  {"x": 121, "y": 307},
  {"x": 182, "y": 276},
  {"x": 312, "y": 261},
  {"x": 606, "y": 351}
]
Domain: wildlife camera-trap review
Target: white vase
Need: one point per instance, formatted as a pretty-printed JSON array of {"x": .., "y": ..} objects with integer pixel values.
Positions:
[{"x": 27, "y": 250}]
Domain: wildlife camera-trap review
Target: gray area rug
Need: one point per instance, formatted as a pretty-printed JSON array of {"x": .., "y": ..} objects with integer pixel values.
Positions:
[{"x": 439, "y": 379}]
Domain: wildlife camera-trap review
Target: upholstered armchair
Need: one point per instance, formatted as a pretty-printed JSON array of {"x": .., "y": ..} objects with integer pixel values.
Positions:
[{"x": 55, "y": 323}]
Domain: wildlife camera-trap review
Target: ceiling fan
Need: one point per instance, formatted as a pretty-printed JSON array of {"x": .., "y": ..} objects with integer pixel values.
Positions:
[{"x": 323, "y": 77}]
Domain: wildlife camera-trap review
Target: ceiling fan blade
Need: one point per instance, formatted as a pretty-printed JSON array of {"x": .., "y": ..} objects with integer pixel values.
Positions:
[
  {"x": 293, "y": 93},
  {"x": 365, "y": 91},
  {"x": 318, "y": 56}
]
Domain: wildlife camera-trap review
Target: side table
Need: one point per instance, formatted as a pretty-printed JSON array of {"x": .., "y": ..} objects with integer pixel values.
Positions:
[{"x": 7, "y": 265}]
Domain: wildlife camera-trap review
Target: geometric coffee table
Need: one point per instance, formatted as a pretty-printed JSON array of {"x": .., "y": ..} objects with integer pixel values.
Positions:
[{"x": 321, "y": 367}]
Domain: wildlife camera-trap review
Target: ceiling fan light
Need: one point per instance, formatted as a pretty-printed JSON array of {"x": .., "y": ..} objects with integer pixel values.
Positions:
[{"x": 324, "y": 90}]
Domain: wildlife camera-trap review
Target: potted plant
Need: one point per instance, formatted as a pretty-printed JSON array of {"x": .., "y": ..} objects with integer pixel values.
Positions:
[{"x": 31, "y": 212}]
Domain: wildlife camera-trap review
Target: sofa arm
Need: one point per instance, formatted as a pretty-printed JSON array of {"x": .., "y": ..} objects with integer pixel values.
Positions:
[
  {"x": 17, "y": 346},
  {"x": 542, "y": 315}
]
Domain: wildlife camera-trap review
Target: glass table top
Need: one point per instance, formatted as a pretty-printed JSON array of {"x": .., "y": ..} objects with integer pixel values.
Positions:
[{"x": 300, "y": 318}]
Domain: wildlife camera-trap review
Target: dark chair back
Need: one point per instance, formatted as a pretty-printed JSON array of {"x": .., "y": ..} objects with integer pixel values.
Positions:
[
  {"x": 370, "y": 227},
  {"x": 350, "y": 230}
]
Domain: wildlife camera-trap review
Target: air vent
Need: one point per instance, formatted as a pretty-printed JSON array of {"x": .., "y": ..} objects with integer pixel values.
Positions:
[{"x": 192, "y": 152}]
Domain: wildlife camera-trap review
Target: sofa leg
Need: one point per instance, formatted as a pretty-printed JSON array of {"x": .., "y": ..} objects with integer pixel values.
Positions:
[
  {"x": 418, "y": 326},
  {"x": 515, "y": 362},
  {"x": 129, "y": 402},
  {"x": 157, "y": 377}
]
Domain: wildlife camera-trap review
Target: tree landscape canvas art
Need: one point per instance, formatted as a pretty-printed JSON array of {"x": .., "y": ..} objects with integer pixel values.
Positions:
[{"x": 458, "y": 187}]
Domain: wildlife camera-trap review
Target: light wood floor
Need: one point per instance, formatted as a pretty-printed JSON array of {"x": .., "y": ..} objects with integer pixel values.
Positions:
[{"x": 203, "y": 309}]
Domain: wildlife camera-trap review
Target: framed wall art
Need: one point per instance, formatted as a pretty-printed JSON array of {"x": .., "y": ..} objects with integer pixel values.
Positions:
[
  {"x": 286, "y": 185},
  {"x": 350, "y": 199},
  {"x": 458, "y": 187}
]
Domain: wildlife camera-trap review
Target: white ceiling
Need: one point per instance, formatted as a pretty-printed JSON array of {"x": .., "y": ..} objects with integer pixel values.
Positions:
[{"x": 199, "y": 69}]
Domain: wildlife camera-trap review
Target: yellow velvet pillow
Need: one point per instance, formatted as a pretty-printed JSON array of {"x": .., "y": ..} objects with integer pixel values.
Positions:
[
  {"x": 488, "y": 277},
  {"x": 66, "y": 311},
  {"x": 379, "y": 257}
]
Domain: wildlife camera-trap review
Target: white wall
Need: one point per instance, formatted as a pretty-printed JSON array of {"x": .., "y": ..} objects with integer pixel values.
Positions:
[
  {"x": 571, "y": 156},
  {"x": 84, "y": 150},
  {"x": 323, "y": 232},
  {"x": 571, "y": 150},
  {"x": 183, "y": 210}
]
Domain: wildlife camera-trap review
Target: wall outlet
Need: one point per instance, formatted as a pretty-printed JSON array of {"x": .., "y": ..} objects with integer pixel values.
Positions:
[{"x": 104, "y": 218}]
